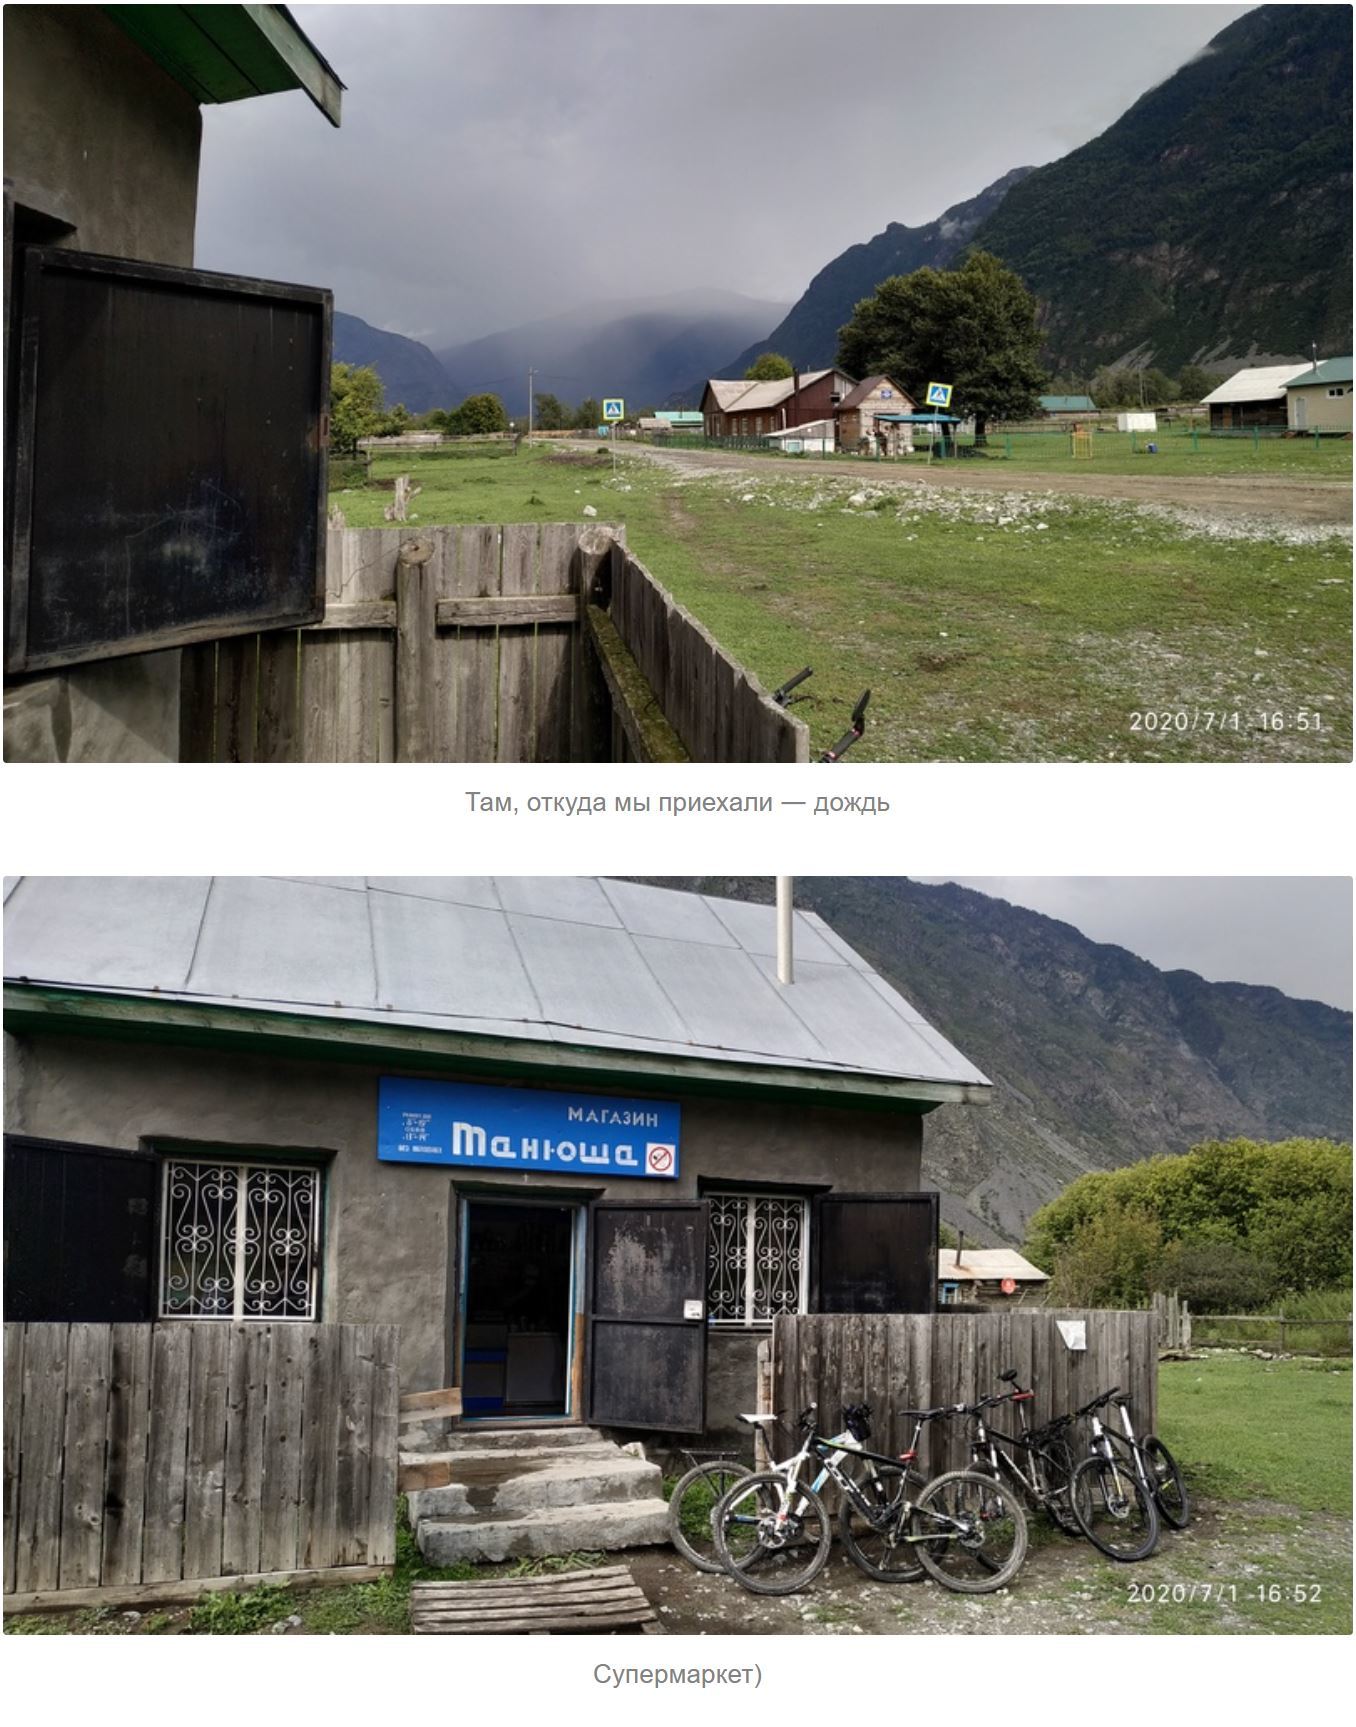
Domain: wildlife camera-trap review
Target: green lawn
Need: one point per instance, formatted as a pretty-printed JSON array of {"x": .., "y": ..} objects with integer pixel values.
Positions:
[{"x": 989, "y": 626}]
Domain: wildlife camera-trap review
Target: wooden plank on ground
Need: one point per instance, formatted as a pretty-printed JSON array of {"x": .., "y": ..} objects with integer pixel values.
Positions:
[
  {"x": 38, "y": 1542},
  {"x": 431, "y": 1405},
  {"x": 162, "y": 1553},
  {"x": 14, "y": 1402},
  {"x": 607, "y": 1599},
  {"x": 242, "y": 1515},
  {"x": 186, "y": 1589},
  {"x": 205, "y": 1464},
  {"x": 634, "y": 704},
  {"x": 282, "y": 1449},
  {"x": 129, "y": 1403}
]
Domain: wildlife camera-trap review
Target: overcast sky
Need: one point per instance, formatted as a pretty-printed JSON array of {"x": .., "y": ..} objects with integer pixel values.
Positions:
[
  {"x": 1291, "y": 932},
  {"x": 502, "y": 163}
]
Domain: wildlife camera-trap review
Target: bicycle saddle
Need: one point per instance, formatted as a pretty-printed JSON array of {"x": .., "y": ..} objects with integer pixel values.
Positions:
[{"x": 925, "y": 1414}]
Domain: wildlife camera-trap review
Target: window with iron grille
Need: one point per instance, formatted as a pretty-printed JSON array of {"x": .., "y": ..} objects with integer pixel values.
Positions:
[
  {"x": 757, "y": 1260},
  {"x": 239, "y": 1240}
]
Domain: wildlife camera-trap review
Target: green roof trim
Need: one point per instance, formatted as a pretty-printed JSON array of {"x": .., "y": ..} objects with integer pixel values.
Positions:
[
  {"x": 1068, "y": 404},
  {"x": 310, "y": 1037},
  {"x": 1337, "y": 371},
  {"x": 230, "y": 53}
]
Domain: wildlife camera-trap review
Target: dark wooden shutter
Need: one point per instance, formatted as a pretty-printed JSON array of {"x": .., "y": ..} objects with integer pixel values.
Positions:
[
  {"x": 646, "y": 1363},
  {"x": 80, "y": 1225},
  {"x": 875, "y": 1252},
  {"x": 169, "y": 472}
]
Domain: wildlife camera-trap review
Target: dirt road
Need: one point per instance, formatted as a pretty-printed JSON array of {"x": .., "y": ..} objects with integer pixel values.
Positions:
[{"x": 1325, "y": 502}]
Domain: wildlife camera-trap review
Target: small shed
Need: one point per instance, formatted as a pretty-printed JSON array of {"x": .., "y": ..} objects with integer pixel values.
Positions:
[
  {"x": 867, "y": 417},
  {"x": 682, "y": 419},
  {"x": 815, "y": 437},
  {"x": 1318, "y": 399},
  {"x": 988, "y": 1276},
  {"x": 1253, "y": 397}
]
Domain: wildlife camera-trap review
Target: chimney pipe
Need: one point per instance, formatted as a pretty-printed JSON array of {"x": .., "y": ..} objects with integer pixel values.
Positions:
[
  {"x": 960, "y": 1243},
  {"x": 785, "y": 970}
]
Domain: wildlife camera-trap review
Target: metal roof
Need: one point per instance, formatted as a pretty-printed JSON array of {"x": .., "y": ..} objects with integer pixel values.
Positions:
[
  {"x": 229, "y": 53},
  {"x": 986, "y": 1265},
  {"x": 747, "y": 395},
  {"x": 1252, "y": 384},
  {"x": 859, "y": 392},
  {"x": 1335, "y": 371},
  {"x": 605, "y": 964},
  {"x": 1068, "y": 404}
]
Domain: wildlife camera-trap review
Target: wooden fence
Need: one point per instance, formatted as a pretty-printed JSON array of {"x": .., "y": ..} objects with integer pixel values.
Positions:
[
  {"x": 144, "y": 1462},
  {"x": 470, "y": 643},
  {"x": 720, "y": 712},
  {"x": 918, "y": 1361}
]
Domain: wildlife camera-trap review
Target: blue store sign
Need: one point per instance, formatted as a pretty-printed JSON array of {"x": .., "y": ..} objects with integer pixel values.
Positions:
[{"x": 549, "y": 1132}]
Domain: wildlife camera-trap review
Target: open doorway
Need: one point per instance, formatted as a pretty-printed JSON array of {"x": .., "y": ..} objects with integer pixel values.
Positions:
[{"x": 518, "y": 1309}]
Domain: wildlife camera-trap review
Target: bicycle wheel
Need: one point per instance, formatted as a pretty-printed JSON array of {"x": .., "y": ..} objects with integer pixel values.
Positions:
[
  {"x": 1170, "y": 1494},
  {"x": 691, "y": 1507},
  {"x": 770, "y": 1538},
  {"x": 1113, "y": 1510},
  {"x": 970, "y": 1533},
  {"x": 1055, "y": 1461},
  {"x": 874, "y": 1535}
]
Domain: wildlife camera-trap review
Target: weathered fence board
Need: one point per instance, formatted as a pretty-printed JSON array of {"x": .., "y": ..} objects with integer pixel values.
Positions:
[
  {"x": 465, "y": 643},
  {"x": 918, "y": 1361},
  {"x": 144, "y": 1456}
]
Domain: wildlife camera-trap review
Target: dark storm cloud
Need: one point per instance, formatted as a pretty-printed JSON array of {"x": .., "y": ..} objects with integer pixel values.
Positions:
[
  {"x": 500, "y": 163},
  {"x": 1293, "y": 933}
]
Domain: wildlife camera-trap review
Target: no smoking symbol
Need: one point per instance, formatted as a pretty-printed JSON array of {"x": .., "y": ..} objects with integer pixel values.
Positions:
[{"x": 659, "y": 1159}]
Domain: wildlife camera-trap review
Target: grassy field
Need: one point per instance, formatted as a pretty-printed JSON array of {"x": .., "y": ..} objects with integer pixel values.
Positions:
[
  {"x": 1125, "y": 453},
  {"x": 989, "y": 626}
]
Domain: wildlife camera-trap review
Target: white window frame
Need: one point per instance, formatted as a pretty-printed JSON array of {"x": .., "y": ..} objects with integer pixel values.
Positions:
[
  {"x": 749, "y": 1198},
  {"x": 242, "y": 1168}
]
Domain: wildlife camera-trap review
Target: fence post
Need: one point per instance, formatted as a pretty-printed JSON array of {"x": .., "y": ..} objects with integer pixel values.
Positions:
[
  {"x": 416, "y": 636},
  {"x": 1007, "y": 445},
  {"x": 1195, "y": 440}
]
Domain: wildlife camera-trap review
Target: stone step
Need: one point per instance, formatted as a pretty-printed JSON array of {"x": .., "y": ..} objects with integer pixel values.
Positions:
[
  {"x": 500, "y": 1484},
  {"x": 559, "y": 1529}
]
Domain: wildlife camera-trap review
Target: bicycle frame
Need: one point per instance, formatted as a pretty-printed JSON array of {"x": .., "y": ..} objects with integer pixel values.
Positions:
[
  {"x": 984, "y": 1448},
  {"x": 1128, "y": 1442}
]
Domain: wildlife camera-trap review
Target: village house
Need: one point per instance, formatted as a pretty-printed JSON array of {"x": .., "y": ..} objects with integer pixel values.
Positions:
[
  {"x": 1067, "y": 407},
  {"x": 102, "y": 139},
  {"x": 866, "y": 419},
  {"x": 1318, "y": 399},
  {"x": 987, "y": 1277},
  {"x": 573, "y": 1136},
  {"x": 1252, "y": 398},
  {"x": 743, "y": 408}
]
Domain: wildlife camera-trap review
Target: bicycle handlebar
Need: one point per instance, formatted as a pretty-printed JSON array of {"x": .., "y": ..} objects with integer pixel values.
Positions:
[
  {"x": 781, "y": 696},
  {"x": 1098, "y": 1402},
  {"x": 858, "y": 725}
]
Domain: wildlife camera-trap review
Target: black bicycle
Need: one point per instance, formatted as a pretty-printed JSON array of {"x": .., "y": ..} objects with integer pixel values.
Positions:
[{"x": 1038, "y": 1461}]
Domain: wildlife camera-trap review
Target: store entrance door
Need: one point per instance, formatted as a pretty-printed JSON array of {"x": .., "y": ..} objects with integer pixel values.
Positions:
[{"x": 518, "y": 1302}]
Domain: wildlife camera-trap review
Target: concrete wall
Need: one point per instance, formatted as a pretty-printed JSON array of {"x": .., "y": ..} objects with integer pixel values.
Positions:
[
  {"x": 387, "y": 1225},
  {"x": 98, "y": 137}
]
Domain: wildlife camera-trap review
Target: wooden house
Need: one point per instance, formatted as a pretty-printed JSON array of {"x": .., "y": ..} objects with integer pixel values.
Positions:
[
  {"x": 1252, "y": 397},
  {"x": 742, "y": 408},
  {"x": 862, "y": 424}
]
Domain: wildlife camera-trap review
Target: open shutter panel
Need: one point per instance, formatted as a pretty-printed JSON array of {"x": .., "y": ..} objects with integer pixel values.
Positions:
[
  {"x": 80, "y": 1225},
  {"x": 875, "y": 1253},
  {"x": 169, "y": 481},
  {"x": 646, "y": 1362}
]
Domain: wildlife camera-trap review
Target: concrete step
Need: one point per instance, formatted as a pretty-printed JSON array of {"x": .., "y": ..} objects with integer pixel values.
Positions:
[
  {"x": 521, "y": 1438},
  {"x": 500, "y": 1483},
  {"x": 558, "y": 1529}
]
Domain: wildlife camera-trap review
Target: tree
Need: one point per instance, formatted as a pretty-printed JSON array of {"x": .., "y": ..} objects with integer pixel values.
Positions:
[
  {"x": 1194, "y": 382},
  {"x": 355, "y": 406},
  {"x": 588, "y": 414},
  {"x": 768, "y": 368},
  {"x": 974, "y": 328},
  {"x": 550, "y": 413},
  {"x": 1112, "y": 1261},
  {"x": 480, "y": 414}
]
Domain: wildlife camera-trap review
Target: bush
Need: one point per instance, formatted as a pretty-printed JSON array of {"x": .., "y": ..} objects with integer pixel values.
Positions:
[{"x": 1216, "y": 1276}]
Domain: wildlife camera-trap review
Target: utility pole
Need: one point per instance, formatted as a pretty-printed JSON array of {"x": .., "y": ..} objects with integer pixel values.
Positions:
[{"x": 531, "y": 374}]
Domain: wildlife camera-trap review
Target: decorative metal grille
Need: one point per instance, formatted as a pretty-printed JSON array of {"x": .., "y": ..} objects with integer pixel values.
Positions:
[
  {"x": 756, "y": 1261},
  {"x": 239, "y": 1241}
]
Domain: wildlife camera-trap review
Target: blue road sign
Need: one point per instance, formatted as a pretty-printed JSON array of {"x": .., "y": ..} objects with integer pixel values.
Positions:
[
  {"x": 548, "y": 1133},
  {"x": 614, "y": 408},
  {"x": 939, "y": 395}
]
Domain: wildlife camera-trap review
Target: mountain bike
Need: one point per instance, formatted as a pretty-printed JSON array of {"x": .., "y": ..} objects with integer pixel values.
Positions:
[
  {"x": 773, "y": 1533},
  {"x": 708, "y": 1478},
  {"x": 1156, "y": 1467},
  {"x": 1114, "y": 1502},
  {"x": 1038, "y": 1461}
]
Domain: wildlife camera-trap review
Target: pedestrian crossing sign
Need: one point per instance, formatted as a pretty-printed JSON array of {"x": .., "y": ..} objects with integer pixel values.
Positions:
[
  {"x": 939, "y": 395},
  {"x": 614, "y": 408}
]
